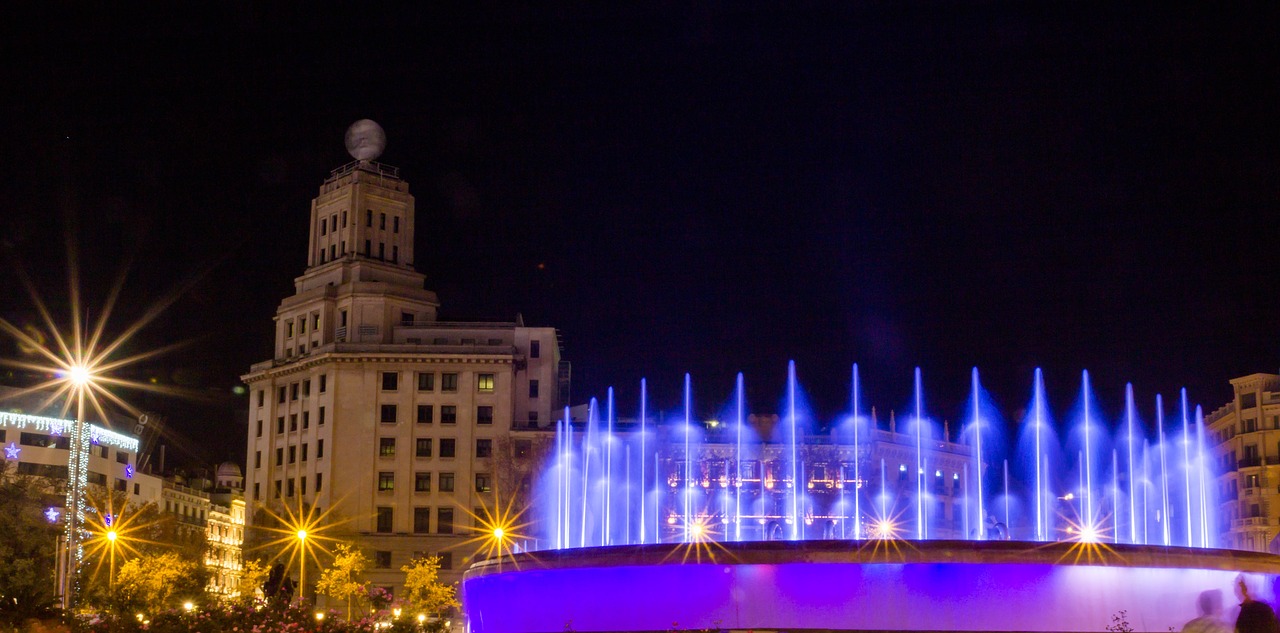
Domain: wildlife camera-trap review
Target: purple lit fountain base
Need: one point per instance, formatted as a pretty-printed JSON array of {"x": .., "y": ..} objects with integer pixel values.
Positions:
[{"x": 855, "y": 586}]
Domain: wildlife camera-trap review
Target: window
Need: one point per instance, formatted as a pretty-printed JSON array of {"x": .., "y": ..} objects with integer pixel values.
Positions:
[
  {"x": 446, "y": 482},
  {"x": 483, "y": 482},
  {"x": 302, "y": 486},
  {"x": 293, "y": 391},
  {"x": 290, "y": 487},
  {"x": 368, "y": 218},
  {"x": 387, "y": 447},
  {"x": 262, "y": 395},
  {"x": 423, "y": 447},
  {"x": 293, "y": 422},
  {"x": 448, "y": 382},
  {"x": 256, "y": 492},
  {"x": 484, "y": 383},
  {"x": 533, "y": 419},
  {"x": 468, "y": 341},
  {"x": 302, "y": 325},
  {"x": 447, "y": 447},
  {"x": 426, "y": 414},
  {"x": 122, "y": 485},
  {"x": 421, "y": 520},
  {"x": 324, "y": 382},
  {"x": 382, "y": 250},
  {"x": 484, "y": 415},
  {"x": 533, "y": 389},
  {"x": 426, "y": 381},
  {"x": 422, "y": 482},
  {"x": 259, "y": 428},
  {"x": 319, "y": 481},
  {"x": 283, "y": 394},
  {"x": 304, "y": 452},
  {"x": 324, "y": 226},
  {"x": 523, "y": 448},
  {"x": 257, "y": 459},
  {"x": 388, "y": 414},
  {"x": 395, "y": 224},
  {"x": 277, "y": 488},
  {"x": 446, "y": 560},
  {"x": 288, "y": 328},
  {"x": 385, "y": 517},
  {"x": 280, "y": 456},
  {"x": 535, "y": 349},
  {"x": 386, "y": 481},
  {"x": 306, "y": 388},
  {"x": 484, "y": 448},
  {"x": 315, "y": 321},
  {"x": 306, "y": 420},
  {"x": 333, "y": 254},
  {"x": 390, "y": 380},
  {"x": 293, "y": 454},
  {"x": 448, "y": 414},
  {"x": 320, "y": 420},
  {"x": 382, "y": 221},
  {"x": 319, "y": 449},
  {"x": 368, "y": 248},
  {"x": 444, "y": 520},
  {"x": 344, "y": 219}
]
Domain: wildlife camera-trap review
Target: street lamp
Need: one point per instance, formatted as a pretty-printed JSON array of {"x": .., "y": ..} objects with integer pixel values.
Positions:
[
  {"x": 302, "y": 566},
  {"x": 188, "y": 606},
  {"x": 111, "y": 562}
]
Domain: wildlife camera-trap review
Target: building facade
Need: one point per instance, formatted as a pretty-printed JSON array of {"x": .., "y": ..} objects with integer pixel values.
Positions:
[
  {"x": 1245, "y": 435},
  {"x": 374, "y": 411}
]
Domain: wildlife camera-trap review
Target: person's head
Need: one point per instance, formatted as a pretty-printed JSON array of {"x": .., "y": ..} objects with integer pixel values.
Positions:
[
  {"x": 1210, "y": 602},
  {"x": 1242, "y": 589}
]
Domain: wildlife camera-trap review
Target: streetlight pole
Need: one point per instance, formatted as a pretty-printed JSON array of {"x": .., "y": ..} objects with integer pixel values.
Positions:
[{"x": 302, "y": 566}]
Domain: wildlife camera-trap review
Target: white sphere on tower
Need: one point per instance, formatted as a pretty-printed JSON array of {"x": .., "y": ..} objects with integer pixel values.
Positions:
[{"x": 365, "y": 140}]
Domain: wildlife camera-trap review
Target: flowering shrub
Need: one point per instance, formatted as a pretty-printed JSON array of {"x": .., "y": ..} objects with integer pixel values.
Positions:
[{"x": 242, "y": 617}]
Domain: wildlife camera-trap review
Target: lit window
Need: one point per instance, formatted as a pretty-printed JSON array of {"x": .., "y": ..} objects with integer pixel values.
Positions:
[
  {"x": 484, "y": 383},
  {"x": 386, "y": 481},
  {"x": 387, "y": 447}
]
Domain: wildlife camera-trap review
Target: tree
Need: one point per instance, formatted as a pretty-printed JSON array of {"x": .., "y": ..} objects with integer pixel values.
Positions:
[
  {"x": 151, "y": 583},
  {"x": 424, "y": 593},
  {"x": 344, "y": 579},
  {"x": 28, "y": 545},
  {"x": 252, "y": 576}
]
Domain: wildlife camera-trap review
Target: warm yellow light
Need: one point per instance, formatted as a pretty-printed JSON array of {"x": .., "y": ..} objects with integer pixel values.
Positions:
[
  {"x": 421, "y": 618},
  {"x": 188, "y": 605},
  {"x": 498, "y": 533},
  {"x": 111, "y": 535},
  {"x": 1069, "y": 497},
  {"x": 395, "y": 613},
  {"x": 302, "y": 535},
  {"x": 79, "y": 375},
  {"x": 140, "y": 617},
  {"x": 319, "y": 615}
]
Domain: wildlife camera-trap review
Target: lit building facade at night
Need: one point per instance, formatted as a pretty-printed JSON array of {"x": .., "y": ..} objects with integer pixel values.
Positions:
[
  {"x": 373, "y": 410},
  {"x": 1245, "y": 436}
]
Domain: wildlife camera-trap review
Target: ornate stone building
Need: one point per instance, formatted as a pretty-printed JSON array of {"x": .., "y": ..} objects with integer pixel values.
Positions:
[
  {"x": 1245, "y": 435},
  {"x": 373, "y": 410}
]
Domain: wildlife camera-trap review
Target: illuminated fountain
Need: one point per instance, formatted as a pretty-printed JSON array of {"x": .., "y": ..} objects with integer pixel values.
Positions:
[{"x": 739, "y": 523}]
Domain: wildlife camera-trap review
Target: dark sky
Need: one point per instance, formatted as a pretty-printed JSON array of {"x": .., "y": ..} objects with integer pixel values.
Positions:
[{"x": 706, "y": 187}]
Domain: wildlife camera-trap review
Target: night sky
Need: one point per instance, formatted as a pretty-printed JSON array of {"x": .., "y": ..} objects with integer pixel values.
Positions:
[{"x": 706, "y": 187}]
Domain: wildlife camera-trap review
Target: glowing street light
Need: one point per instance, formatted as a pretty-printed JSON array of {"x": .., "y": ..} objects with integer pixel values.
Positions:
[
  {"x": 395, "y": 613},
  {"x": 302, "y": 566},
  {"x": 319, "y": 616},
  {"x": 188, "y": 606}
]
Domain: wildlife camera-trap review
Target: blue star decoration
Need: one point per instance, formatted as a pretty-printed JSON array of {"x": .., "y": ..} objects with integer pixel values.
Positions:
[
  {"x": 52, "y": 514},
  {"x": 11, "y": 451},
  {"x": 128, "y": 471}
]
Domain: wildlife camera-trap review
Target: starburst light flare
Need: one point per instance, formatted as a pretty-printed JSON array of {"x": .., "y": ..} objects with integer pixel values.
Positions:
[{"x": 497, "y": 529}]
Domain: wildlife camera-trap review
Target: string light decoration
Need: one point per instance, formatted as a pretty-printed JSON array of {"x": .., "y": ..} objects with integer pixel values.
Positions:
[{"x": 81, "y": 437}]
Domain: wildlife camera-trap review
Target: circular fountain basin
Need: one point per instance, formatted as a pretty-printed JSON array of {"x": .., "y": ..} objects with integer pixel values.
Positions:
[{"x": 882, "y": 585}]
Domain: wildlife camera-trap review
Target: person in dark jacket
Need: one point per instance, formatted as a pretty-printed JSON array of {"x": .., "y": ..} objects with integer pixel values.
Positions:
[{"x": 1255, "y": 616}]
